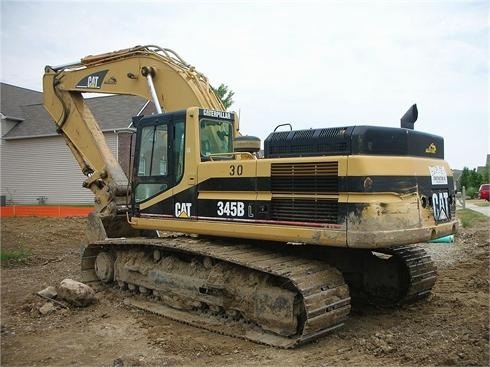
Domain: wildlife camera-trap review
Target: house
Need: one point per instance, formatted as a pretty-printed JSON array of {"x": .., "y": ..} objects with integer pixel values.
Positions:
[{"x": 36, "y": 166}]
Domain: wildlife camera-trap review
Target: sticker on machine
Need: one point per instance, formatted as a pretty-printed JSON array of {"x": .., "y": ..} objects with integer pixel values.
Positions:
[{"x": 438, "y": 175}]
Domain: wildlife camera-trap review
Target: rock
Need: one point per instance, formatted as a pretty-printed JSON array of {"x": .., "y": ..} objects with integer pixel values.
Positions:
[
  {"x": 49, "y": 292},
  {"x": 76, "y": 293},
  {"x": 47, "y": 308},
  {"x": 382, "y": 347},
  {"x": 387, "y": 349}
]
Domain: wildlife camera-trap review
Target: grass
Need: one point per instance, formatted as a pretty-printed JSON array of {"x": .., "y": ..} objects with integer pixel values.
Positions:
[
  {"x": 18, "y": 255},
  {"x": 469, "y": 218}
]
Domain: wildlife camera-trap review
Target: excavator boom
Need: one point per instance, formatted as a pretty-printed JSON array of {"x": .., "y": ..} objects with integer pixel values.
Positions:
[{"x": 154, "y": 73}]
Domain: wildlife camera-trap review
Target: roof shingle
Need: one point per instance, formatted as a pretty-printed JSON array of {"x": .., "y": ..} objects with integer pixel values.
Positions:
[
  {"x": 111, "y": 112},
  {"x": 13, "y": 98}
]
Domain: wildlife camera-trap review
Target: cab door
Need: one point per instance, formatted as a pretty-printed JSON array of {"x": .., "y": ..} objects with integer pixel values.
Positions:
[{"x": 158, "y": 159}]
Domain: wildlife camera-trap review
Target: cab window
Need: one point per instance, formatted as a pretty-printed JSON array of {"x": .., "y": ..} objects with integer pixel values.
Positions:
[
  {"x": 179, "y": 148},
  {"x": 216, "y": 137},
  {"x": 153, "y": 152}
]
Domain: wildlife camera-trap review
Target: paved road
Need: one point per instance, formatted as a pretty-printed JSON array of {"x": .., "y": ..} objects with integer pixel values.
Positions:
[{"x": 480, "y": 209}]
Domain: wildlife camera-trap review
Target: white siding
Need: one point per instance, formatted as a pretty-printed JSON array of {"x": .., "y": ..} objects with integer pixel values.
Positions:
[{"x": 31, "y": 168}]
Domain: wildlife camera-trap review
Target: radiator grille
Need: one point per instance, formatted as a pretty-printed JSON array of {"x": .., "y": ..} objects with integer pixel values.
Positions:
[
  {"x": 306, "y": 179},
  {"x": 316, "y": 177},
  {"x": 303, "y": 210}
]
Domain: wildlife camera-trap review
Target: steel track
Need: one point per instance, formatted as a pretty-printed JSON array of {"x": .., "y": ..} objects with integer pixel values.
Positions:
[{"x": 321, "y": 288}]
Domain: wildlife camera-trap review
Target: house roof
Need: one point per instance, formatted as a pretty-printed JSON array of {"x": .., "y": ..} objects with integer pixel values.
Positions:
[
  {"x": 111, "y": 112},
  {"x": 12, "y": 99}
]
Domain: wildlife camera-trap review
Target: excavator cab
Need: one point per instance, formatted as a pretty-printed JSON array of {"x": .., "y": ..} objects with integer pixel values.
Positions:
[{"x": 168, "y": 149}]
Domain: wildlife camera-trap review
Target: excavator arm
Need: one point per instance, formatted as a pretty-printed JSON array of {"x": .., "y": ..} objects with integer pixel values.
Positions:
[{"x": 154, "y": 73}]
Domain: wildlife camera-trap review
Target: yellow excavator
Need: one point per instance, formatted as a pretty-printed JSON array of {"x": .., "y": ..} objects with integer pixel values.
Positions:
[{"x": 270, "y": 247}]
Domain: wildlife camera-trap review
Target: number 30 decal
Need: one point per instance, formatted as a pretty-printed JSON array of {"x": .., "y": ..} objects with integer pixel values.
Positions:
[
  {"x": 231, "y": 208},
  {"x": 236, "y": 170}
]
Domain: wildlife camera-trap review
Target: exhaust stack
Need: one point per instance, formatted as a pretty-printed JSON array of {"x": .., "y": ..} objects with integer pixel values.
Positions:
[{"x": 408, "y": 119}]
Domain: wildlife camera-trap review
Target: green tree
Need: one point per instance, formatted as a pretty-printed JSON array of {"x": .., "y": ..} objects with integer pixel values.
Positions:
[
  {"x": 471, "y": 180},
  {"x": 464, "y": 179},
  {"x": 476, "y": 179},
  {"x": 224, "y": 94}
]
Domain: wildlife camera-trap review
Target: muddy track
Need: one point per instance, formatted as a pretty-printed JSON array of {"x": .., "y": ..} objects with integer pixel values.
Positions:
[{"x": 320, "y": 288}]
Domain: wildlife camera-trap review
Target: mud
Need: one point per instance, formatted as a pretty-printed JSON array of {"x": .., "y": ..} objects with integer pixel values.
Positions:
[{"x": 451, "y": 327}]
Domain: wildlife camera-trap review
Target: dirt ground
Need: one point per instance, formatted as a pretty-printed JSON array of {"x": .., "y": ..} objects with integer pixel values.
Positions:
[{"x": 451, "y": 327}]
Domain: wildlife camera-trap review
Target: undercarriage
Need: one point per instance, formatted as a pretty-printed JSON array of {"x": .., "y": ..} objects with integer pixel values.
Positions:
[{"x": 263, "y": 292}]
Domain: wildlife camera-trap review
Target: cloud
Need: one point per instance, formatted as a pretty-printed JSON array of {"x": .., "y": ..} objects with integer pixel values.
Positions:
[{"x": 312, "y": 63}]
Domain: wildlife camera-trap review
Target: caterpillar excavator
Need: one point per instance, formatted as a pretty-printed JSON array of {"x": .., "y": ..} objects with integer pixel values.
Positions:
[{"x": 273, "y": 249}]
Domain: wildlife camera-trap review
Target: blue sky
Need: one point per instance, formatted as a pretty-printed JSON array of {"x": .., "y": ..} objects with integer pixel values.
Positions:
[{"x": 313, "y": 64}]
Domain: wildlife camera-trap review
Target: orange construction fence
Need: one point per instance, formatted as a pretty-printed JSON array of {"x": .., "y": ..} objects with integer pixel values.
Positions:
[{"x": 44, "y": 211}]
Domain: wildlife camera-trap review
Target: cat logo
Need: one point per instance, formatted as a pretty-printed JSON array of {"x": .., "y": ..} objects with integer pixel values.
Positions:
[
  {"x": 92, "y": 81},
  {"x": 432, "y": 149},
  {"x": 441, "y": 207},
  {"x": 183, "y": 210}
]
